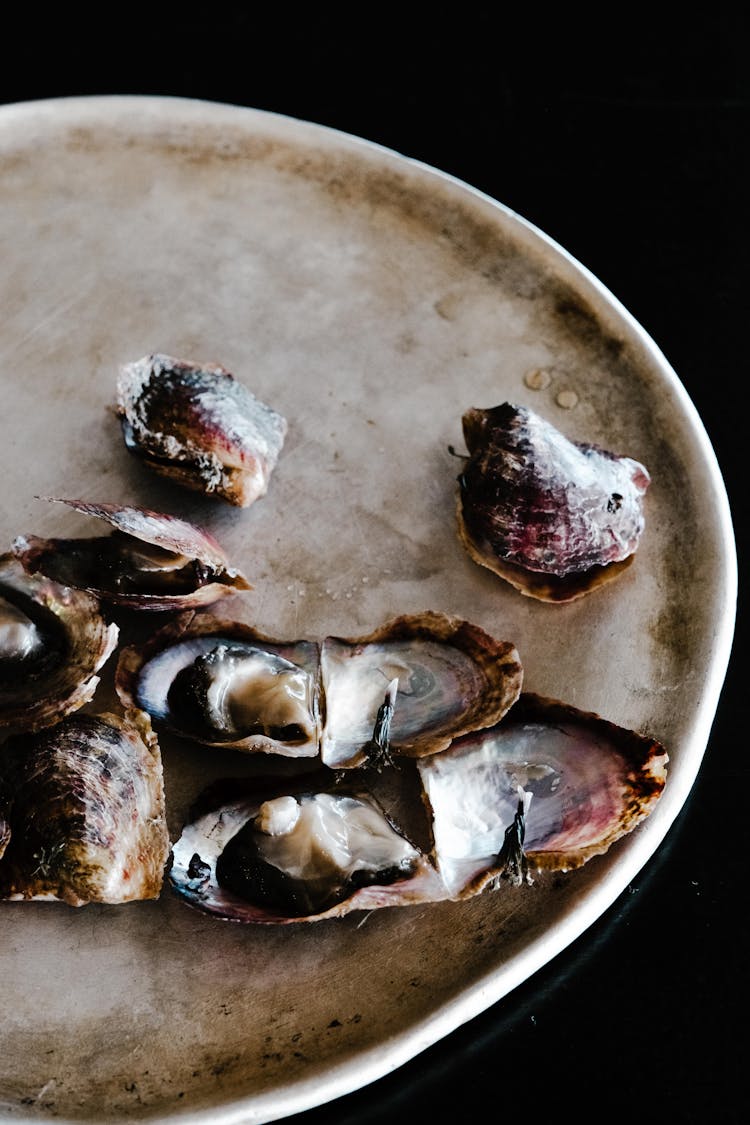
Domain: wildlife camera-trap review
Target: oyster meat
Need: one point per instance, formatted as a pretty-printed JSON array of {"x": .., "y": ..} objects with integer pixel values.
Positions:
[
  {"x": 314, "y": 849},
  {"x": 547, "y": 788},
  {"x": 53, "y": 642},
  {"x": 198, "y": 425},
  {"x": 429, "y": 677},
  {"x": 150, "y": 561},
  {"x": 84, "y": 806},
  {"x": 554, "y": 518}
]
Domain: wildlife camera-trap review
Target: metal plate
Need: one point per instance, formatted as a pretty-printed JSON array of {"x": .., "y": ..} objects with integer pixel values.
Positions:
[{"x": 371, "y": 300}]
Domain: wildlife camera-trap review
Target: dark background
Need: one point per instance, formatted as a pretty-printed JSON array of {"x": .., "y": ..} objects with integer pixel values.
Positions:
[{"x": 626, "y": 142}]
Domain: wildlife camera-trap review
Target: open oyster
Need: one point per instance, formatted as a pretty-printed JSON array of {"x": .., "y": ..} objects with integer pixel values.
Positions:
[
  {"x": 53, "y": 641},
  {"x": 150, "y": 561},
  {"x": 429, "y": 677},
  {"x": 84, "y": 804},
  {"x": 199, "y": 426},
  {"x": 547, "y": 788},
  {"x": 553, "y": 517}
]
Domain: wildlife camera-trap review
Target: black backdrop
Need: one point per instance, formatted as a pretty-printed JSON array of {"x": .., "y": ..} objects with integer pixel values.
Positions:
[{"x": 627, "y": 143}]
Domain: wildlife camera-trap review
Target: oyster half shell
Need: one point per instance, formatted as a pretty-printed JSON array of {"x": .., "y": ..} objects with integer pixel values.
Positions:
[
  {"x": 151, "y": 561},
  {"x": 554, "y": 518},
  {"x": 199, "y": 426},
  {"x": 53, "y": 642},
  {"x": 546, "y": 789},
  {"x": 222, "y": 683},
  {"x": 85, "y": 811}
]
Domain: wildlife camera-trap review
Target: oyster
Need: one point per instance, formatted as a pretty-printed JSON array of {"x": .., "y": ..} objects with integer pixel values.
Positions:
[
  {"x": 312, "y": 849},
  {"x": 553, "y": 517},
  {"x": 452, "y": 677},
  {"x": 85, "y": 808},
  {"x": 547, "y": 788},
  {"x": 150, "y": 561},
  {"x": 53, "y": 641},
  {"x": 199, "y": 426},
  {"x": 223, "y": 684},
  {"x": 427, "y": 677}
]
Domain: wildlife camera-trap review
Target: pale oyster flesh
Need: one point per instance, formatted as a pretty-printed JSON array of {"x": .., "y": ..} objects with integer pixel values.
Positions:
[
  {"x": 553, "y": 517},
  {"x": 150, "y": 561},
  {"x": 274, "y": 852},
  {"x": 198, "y": 425},
  {"x": 222, "y": 684},
  {"x": 84, "y": 803},
  {"x": 53, "y": 642}
]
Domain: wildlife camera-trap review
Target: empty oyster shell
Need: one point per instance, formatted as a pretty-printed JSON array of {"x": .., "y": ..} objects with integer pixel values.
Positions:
[
  {"x": 222, "y": 683},
  {"x": 85, "y": 805},
  {"x": 553, "y": 517},
  {"x": 199, "y": 426},
  {"x": 53, "y": 641},
  {"x": 547, "y": 788},
  {"x": 587, "y": 782},
  {"x": 452, "y": 677},
  {"x": 151, "y": 561}
]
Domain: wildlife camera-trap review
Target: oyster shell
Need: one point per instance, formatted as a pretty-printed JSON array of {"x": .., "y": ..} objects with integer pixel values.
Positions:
[
  {"x": 547, "y": 788},
  {"x": 199, "y": 426},
  {"x": 270, "y": 852},
  {"x": 554, "y": 518},
  {"x": 586, "y": 782},
  {"x": 222, "y": 683},
  {"x": 85, "y": 806},
  {"x": 53, "y": 641},
  {"x": 452, "y": 677},
  {"x": 151, "y": 561}
]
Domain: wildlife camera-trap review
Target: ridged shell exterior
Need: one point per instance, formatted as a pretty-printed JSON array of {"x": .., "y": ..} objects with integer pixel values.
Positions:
[
  {"x": 554, "y": 518},
  {"x": 199, "y": 426}
]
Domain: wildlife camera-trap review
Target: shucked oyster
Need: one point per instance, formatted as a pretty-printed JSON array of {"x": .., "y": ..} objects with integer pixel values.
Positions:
[
  {"x": 84, "y": 803},
  {"x": 545, "y": 789},
  {"x": 553, "y": 517},
  {"x": 53, "y": 641},
  {"x": 429, "y": 676},
  {"x": 199, "y": 426},
  {"x": 150, "y": 561}
]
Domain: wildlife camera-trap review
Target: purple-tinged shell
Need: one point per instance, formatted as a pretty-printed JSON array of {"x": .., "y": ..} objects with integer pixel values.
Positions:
[
  {"x": 553, "y": 517},
  {"x": 152, "y": 561},
  {"x": 53, "y": 642},
  {"x": 586, "y": 782},
  {"x": 200, "y": 427},
  {"x": 86, "y": 812}
]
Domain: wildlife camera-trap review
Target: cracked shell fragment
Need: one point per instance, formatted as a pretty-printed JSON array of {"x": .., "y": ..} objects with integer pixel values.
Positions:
[
  {"x": 198, "y": 425},
  {"x": 553, "y": 517},
  {"x": 53, "y": 642},
  {"x": 150, "y": 561},
  {"x": 587, "y": 783},
  {"x": 84, "y": 803}
]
